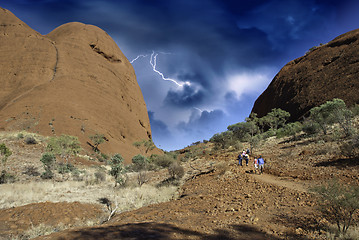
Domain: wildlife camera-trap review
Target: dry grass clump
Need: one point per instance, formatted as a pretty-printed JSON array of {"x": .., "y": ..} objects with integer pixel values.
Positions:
[
  {"x": 221, "y": 168},
  {"x": 351, "y": 234},
  {"x": 18, "y": 194},
  {"x": 44, "y": 229}
]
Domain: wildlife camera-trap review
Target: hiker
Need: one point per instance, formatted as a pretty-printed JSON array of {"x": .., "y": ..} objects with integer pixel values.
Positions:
[
  {"x": 261, "y": 164},
  {"x": 248, "y": 151},
  {"x": 240, "y": 159},
  {"x": 255, "y": 165},
  {"x": 245, "y": 156}
]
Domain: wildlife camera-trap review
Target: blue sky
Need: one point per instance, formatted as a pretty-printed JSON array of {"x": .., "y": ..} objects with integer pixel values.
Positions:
[{"x": 216, "y": 56}]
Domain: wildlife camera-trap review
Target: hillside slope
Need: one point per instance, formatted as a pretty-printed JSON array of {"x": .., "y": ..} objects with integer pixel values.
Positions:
[{"x": 74, "y": 81}]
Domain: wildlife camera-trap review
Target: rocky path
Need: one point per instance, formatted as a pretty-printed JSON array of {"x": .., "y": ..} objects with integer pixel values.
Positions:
[{"x": 286, "y": 182}]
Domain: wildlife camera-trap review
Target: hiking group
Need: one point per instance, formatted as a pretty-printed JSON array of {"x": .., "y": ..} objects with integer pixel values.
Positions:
[{"x": 257, "y": 162}]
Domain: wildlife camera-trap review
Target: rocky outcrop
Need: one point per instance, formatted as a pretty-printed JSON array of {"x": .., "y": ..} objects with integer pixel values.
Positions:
[
  {"x": 326, "y": 72},
  {"x": 74, "y": 81}
]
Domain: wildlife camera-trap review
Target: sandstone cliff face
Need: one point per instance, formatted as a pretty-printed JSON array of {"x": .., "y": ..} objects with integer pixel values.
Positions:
[
  {"x": 327, "y": 72},
  {"x": 74, "y": 81}
]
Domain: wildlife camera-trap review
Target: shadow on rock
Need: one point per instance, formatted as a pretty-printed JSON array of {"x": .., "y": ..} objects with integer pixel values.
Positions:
[{"x": 339, "y": 163}]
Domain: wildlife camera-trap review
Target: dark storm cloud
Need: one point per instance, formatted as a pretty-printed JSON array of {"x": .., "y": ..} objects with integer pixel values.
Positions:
[
  {"x": 186, "y": 97},
  {"x": 201, "y": 125},
  {"x": 210, "y": 41},
  {"x": 159, "y": 128}
]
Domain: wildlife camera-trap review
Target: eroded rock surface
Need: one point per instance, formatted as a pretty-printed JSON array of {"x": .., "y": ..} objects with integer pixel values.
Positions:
[
  {"x": 329, "y": 71},
  {"x": 74, "y": 80}
]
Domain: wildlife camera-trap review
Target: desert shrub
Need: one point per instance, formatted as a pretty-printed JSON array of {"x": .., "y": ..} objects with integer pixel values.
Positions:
[
  {"x": 5, "y": 152},
  {"x": 97, "y": 139},
  {"x": 241, "y": 131},
  {"x": 221, "y": 168},
  {"x": 275, "y": 118},
  {"x": 163, "y": 161},
  {"x": 48, "y": 160},
  {"x": 290, "y": 129},
  {"x": 30, "y": 140},
  {"x": 355, "y": 110},
  {"x": 31, "y": 171},
  {"x": 351, "y": 147},
  {"x": 332, "y": 112},
  {"x": 100, "y": 175},
  {"x": 222, "y": 140},
  {"x": 148, "y": 145},
  {"x": 310, "y": 128},
  {"x": 139, "y": 162},
  {"x": 20, "y": 135},
  {"x": 63, "y": 168},
  {"x": 338, "y": 203},
  {"x": 268, "y": 134},
  {"x": 64, "y": 146},
  {"x": 6, "y": 177},
  {"x": 77, "y": 174},
  {"x": 175, "y": 170},
  {"x": 102, "y": 157},
  {"x": 142, "y": 177},
  {"x": 117, "y": 169}
]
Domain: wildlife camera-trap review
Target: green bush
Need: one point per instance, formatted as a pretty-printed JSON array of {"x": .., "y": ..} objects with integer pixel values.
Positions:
[
  {"x": 6, "y": 177},
  {"x": 351, "y": 147},
  {"x": 101, "y": 157},
  {"x": 223, "y": 140},
  {"x": 338, "y": 203},
  {"x": 117, "y": 169},
  {"x": 176, "y": 171},
  {"x": 100, "y": 175},
  {"x": 20, "y": 135},
  {"x": 5, "y": 152},
  {"x": 30, "y": 140},
  {"x": 48, "y": 160},
  {"x": 63, "y": 168},
  {"x": 64, "y": 146},
  {"x": 139, "y": 162},
  {"x": 310, "y": 128},
  {"x": 355, "y": 110},
  {"x": 97, "y": 139},
  {"x": 332, "y": 112},
  {"x": 269, "y": 133},
  {"x": 290, "y": 129},
  {"x": 163, "y": 161}
]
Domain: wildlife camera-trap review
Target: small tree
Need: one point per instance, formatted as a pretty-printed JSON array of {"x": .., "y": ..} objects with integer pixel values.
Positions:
[
  {"x": 64, "y": 146},
  {"x": 338, "y": 203},
  {"x": 290, "y": 129},
  {"x": 176, "y": 171},
  {"x": 331, "y": 112},
  {"x": 140, "y": 164},
  {"x": 97, "y": 139},
  {"x": 147, "y": 144},
  {"x": 117, "y": 169},
  {"x": 276, "y": 118},
  {"x": 48, "y": 160},
  {"x": 5, "y": 152},
  {"x": 220, "y": 140}
]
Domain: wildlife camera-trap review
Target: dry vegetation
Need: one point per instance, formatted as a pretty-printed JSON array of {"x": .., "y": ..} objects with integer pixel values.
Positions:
[{"x": 214, "y": 191}]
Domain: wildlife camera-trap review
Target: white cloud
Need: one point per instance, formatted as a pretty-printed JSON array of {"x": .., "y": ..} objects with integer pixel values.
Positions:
[{"x": 249, "y": 82}]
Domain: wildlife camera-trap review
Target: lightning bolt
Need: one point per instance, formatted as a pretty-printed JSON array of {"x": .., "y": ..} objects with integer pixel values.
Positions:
[
  {"x": 198, "y": 109},
  {"x": 138, "y": 58},
  {"x": 153, "y": 62}
]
